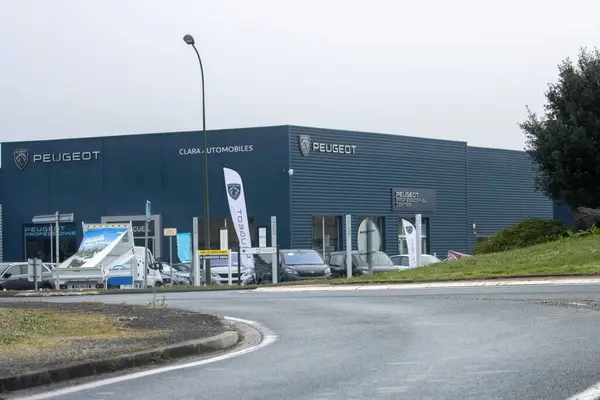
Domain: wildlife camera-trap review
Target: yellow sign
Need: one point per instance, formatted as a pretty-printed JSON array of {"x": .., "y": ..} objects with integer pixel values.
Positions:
[
  {"x": 170, "y": 232},
  {"x": 213, "y": 252}
]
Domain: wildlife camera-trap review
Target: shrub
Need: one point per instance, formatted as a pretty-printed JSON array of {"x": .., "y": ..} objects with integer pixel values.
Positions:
[{"x": 526, "y": 233}]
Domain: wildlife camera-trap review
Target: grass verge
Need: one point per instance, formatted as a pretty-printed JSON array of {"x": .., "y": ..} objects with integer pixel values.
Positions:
[
  {"x": 24, "y": 332},
  {"x": 567, "y": 256}
]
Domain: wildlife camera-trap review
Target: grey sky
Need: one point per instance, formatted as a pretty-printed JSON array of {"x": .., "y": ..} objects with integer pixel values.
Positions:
[{"x": 461, "y": 69}]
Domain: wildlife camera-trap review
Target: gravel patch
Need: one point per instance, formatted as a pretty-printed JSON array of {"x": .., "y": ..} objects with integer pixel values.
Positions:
[{"x": 154, "y": 327}]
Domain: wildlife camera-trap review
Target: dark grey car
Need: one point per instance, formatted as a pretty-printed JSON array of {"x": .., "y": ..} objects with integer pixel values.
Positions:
[{"x": 307, "y": 263}]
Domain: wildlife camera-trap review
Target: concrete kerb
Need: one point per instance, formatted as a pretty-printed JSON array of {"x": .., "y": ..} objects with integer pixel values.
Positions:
[
  {"x": 84, "y": 369},
  {"x": 448, "y": 284}
]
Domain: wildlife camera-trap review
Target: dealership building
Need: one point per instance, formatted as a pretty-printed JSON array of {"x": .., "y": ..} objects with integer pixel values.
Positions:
[{"x": 308, "y": 178}]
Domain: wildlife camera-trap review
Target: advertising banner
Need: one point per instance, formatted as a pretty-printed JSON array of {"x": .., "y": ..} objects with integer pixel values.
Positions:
[
  {"x": 410, "y": 234},
  {"x": 184, "y": 247},
  {"x": 239, "y": 214},
  {"x": 94, "y": 241}
]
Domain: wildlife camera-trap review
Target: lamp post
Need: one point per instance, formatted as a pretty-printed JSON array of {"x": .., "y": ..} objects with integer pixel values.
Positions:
[{"x": 189, "y": 39}]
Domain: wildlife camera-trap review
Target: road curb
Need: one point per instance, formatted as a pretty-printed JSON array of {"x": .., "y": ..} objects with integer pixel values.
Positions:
[
  {"x": 84, "y": 369},
  {"x": 437, "y": 284}
]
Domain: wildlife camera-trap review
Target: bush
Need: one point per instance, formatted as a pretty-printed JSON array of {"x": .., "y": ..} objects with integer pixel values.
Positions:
[{"x": 526, "y": 233}]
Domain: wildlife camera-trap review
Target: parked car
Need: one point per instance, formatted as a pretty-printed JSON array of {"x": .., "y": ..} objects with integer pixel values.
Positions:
[
  {"x": 14, "y": 276},
  {"x": 263, "y": 269},
  {"x": 402, "y": 261},
  {"x": 303, "y": 264},
  {"x": 181, "y": 275},
  {"x": 360, "y": 266}
]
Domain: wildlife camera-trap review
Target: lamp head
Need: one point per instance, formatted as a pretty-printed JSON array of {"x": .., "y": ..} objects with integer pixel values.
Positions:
[{"x": 189, "y": 39}]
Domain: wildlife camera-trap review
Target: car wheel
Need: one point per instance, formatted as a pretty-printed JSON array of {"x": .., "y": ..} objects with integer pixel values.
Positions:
[
  {"x": 158, "y": 284},
  {"x": 46, "y": 286}
]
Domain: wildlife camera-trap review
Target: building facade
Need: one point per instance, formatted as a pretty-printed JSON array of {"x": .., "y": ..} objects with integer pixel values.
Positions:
[{"x": 308, "y": 178}]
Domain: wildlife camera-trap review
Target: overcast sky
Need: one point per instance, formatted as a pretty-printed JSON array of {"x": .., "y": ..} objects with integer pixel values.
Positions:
[{"x": 460, "y": 69}]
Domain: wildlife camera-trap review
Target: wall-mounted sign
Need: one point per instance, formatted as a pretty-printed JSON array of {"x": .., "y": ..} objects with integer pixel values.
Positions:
[
  {"x": 21, "y": 157},
  {"x": 411, "y": 200},
  {"x": 43, "y": 231},
  {"x": 338, "y": 148},
  {"x": 138, "y": 227},
  {"x": 245, "y": 148}
]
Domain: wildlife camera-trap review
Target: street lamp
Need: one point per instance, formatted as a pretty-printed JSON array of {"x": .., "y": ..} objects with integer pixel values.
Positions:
[{"x": 189, "y": 39}]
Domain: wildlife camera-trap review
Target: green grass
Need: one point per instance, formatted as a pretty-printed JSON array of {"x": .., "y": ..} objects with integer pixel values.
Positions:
[
  {"x": 568, "y": 256},
  {"x": 25, "y": 331}
]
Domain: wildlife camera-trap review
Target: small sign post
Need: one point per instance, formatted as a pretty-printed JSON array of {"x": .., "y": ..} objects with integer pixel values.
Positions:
[
  {"x": 349, "y": 246},
  {"x": 217, "y": 255},
  {"x": 275, "y": 259},
  {"x": 148, "y": 216},
  {"x": 34, "y": 271},
  {"x": 195, "y": 258},
  {"x": 264, "y": 250},
  {"x": 170, "y": 232}
]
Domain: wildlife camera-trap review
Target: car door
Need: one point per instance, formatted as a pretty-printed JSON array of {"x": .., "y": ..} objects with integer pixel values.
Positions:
[
  {"x": 336, "y": 262},
  {"x": 11, "y": 278},
  {"x": 23, "y": 282}
]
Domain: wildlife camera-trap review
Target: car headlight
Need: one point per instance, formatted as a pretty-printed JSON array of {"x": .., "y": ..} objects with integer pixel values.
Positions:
[{"x": 291, "y": 271}]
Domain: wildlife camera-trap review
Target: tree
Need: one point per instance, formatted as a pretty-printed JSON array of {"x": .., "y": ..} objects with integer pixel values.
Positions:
[{"x": 564, "y": 143}]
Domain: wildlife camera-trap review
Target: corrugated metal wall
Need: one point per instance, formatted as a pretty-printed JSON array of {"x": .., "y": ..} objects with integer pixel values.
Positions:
[
  {"x": 501, "y": 190},
  {"x": 1, "y": 243},
  {"x": 361, "y": 184}
]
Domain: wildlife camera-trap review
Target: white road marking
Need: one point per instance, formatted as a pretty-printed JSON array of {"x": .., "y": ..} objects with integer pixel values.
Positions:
[
  {"x": 490, "y": 372},
  {"x": 404, "y": 363},
  {"x": 267, "y": 339},
  {"x": 592, "y": 393},
  {"x": 400, "y": 286}
]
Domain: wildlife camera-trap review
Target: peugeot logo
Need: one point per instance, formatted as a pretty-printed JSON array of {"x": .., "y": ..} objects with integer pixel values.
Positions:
[
  {"x": 304, "y": 144},
  {"x": 21, "y": 158},
  {"x": 234, "y": 190}
]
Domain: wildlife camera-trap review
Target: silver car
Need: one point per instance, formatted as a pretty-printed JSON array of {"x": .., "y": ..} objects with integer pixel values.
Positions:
[{"x": 402, "y": 260}]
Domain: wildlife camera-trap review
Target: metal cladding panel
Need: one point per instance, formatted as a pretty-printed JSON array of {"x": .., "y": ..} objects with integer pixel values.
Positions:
[
  {"x": 164, "y": 168},
  {"x": 361, "y": 184},
  {"x": 501, "y": 190}
]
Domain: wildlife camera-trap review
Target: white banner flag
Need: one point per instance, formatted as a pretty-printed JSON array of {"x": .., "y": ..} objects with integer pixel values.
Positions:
[
  {"x": 239, "y": 214},
  {"x": 410, "y": 235}
]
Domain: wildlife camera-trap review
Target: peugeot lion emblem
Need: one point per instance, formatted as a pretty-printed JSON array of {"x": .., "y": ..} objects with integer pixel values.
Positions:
[
  {"x": 409, "y": 229},
  {"x": 234, "y": 190},
  {"x": 21, "y": 157},
  {"x": 304, "y": 144}
]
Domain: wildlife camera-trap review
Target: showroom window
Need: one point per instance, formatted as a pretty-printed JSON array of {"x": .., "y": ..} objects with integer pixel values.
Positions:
[
  {"x": 326, "y": 234},
  {"x": 424, "y": 238},
  {"x": 40, "y": 241},
  {"x": 216, "y": 224},
  {"x": 380, "y": 223}
]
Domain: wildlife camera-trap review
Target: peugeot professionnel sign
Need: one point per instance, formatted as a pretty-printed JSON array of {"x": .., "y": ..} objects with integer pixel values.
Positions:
[
  {"x": 339, "y": 148},
  {"x": 22, "y": 157},
  {"x": 413, "y": 200}
]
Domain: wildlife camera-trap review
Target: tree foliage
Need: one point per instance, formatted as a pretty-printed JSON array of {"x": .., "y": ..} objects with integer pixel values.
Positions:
[{"x": 564, "y": 143}]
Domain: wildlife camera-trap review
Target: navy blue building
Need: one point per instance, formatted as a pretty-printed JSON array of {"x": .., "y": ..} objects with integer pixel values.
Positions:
[{"x": 309, "y": 178}]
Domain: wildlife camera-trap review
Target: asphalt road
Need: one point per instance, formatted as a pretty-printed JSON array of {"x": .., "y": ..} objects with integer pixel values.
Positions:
[{"x": 468, "y": 343}]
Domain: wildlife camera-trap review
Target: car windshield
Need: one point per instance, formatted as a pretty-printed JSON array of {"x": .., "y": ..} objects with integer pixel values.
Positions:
[
  {"x": 181, "y": 267},
  {"x": 302, "y": 258},
  {"x": 380, "y": 259}
]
